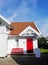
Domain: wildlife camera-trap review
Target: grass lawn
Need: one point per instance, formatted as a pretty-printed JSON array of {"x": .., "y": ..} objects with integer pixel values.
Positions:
[{"x": 43, "y": 50}]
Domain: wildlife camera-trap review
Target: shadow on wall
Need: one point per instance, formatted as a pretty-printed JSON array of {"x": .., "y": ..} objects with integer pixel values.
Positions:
[{"x": 30, "y": 59}]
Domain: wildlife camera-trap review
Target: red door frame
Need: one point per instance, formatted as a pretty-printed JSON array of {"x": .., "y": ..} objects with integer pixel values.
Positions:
[{"x": 29, "y": 45}]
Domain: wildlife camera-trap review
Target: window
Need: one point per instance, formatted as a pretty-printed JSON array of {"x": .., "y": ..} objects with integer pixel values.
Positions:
[
  {"x": 0, "y": 23},
  {"x": 17, "y": 43},
  {"x": 11, "y": 28},
  {"x": 23, "y": 42},
  {"x": 27, "y": 33}
]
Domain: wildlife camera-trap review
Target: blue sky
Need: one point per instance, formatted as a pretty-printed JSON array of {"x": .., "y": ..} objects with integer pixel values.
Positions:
[{"x": 26, "y": 10}]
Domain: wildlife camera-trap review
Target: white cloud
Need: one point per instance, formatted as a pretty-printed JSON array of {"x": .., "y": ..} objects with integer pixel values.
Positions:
[
  {"x": 44, "y": 29},
  {"x": 11, "y": 18},
  {"x": 43, "y": 25},
  {"x": 23, "y": 10}
]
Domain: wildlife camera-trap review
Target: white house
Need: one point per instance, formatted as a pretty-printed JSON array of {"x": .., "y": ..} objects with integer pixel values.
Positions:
[{"x": 18, "y": 38}]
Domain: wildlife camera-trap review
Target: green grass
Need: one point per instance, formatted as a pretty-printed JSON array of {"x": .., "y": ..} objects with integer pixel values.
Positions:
[{"x": 43, "y": 50}]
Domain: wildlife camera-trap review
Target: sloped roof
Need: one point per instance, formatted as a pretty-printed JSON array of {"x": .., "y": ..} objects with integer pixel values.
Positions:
[
  {"x": 18, "y": 27},
  {"x": 3, "y": 19}
]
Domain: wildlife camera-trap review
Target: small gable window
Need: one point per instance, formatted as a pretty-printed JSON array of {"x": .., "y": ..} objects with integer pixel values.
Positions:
[{"x": 11, "y": 28}]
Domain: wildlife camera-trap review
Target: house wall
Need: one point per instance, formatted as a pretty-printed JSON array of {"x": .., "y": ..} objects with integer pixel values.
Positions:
[
  {"x": 3, "y": 45},
  {"x": 22, "y": 44},
  {"x": 12, "y": 43},
  {"x": 3, "y": 41},
  {"x": 2, "y": 30},
  {"x": 35, "y": 43}
]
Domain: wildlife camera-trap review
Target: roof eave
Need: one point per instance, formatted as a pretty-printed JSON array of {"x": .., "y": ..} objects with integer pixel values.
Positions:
[{"x": 2, "y": 18}]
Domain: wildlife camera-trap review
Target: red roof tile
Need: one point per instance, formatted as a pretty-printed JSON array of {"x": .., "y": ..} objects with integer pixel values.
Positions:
[{"x": 18, "y": 27}]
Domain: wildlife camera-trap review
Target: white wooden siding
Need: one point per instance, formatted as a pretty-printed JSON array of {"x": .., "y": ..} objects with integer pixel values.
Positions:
[
  {"x": 22, "y": 44},
  {"x": 3, "y": 45},
  {"x": 35, "y": 43},
  {"x": 2, "y": 29},
  {"x": 11, "y": 44}
]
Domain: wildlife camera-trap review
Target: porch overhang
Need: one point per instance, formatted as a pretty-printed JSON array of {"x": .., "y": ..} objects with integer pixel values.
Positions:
[{"x": 32, "y": 32}]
